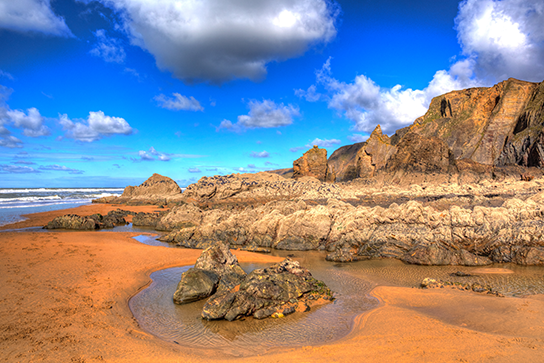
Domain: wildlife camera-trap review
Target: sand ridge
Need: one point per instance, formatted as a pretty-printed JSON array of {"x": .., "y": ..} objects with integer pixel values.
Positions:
[{"x": 65, "y": 295}]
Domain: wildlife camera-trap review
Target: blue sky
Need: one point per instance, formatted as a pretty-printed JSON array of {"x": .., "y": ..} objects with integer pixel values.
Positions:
[{"x": 107, "y": 92}]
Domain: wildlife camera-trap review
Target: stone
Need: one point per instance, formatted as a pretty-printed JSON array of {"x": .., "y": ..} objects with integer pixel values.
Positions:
[
  {"x": 73, "y": 221},
  {"x": 314, "y": 163},
  {"x": 216, "y": 269},
  {"x": 277, "y": 290}
]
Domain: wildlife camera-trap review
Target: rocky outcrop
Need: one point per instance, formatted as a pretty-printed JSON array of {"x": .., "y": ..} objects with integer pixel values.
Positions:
[
  {"x": 275, "y": 291},
  {"x": 157, "y": 190},
  {"x": 414, "y": 232},
  {"x": 92, "y": 222},
  {"x": 244, "y": 189},
  {"x": 314, "y": 163},
  {"x": 375, "y": 153},
  {"x": 498, "y": 125},
  {"x": 343, "y": 162},
  {"x": 217, "y": 269}
]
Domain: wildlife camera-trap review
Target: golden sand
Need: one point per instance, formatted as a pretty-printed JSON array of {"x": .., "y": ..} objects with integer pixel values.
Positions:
[{"x": 64, "y": 298}]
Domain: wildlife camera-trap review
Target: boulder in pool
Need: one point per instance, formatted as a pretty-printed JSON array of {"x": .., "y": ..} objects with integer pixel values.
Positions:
[
  {"x": 275, "y": 291},
  {"x": 217, "y": 269}
]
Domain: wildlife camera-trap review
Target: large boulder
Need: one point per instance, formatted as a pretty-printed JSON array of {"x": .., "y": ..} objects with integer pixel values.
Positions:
[
  {"x": 73, "y": 221},
  {"x": 274, "y": 291},
  {"x": 314, "y": 163},
  {"x": 217, "y": 269}
]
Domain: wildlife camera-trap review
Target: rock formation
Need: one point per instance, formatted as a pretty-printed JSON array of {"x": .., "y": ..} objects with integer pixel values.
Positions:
[
  {"x": 95, "y": 221},
  {"x": 314, "y": 163},
  {"x": 157, "y": 189},
  {"x": 275, "y": 291},
  {"x": 280, "y": 289},
  {"x": 217, "y": 269},
  {"x": 343, "y": 162},
  {"x": 496, "y": 126}
]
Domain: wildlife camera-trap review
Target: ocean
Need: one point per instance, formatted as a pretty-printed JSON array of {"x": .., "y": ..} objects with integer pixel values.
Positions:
[{"x": 15, "y": 202}]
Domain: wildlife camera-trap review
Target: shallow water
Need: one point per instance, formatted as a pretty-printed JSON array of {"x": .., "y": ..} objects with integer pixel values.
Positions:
[{"x": 351, "y": 282}]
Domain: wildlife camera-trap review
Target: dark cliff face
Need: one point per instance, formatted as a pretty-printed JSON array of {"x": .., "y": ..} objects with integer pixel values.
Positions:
[
  {"x": 344, "y": 162},
  {"x": 495, "y": 126}
]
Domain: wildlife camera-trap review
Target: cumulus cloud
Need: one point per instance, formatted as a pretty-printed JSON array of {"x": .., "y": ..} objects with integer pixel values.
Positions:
[
  {"x": 56, "y": 167},
  {"x": 297, "y": 148},
  {"x": 323, "y": 143},
  {"x": 31, "y": 122},
  {"x": 262, "y": 154},
  {"x": 16, "y": 169},
  {"x": 32, "y": 16},
  {"x": 194, "y": 170},
  {"x": 220, "y": 40},
  {"x": 265, "y": 114},
  {"x": 109, "y": 49},
  {"x": 97, "y": 126},
  {"x": 504, "y": 38},
  {"x": 179, "y": 102},
  {"x": 10, "y": 142}
]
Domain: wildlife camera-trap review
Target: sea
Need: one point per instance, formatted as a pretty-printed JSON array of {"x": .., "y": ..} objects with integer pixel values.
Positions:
[{"x": 16, "y": 202}]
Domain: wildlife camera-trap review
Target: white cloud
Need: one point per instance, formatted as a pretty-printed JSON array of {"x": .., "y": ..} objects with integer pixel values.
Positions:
[
  {"x": 194, "y": 170},
  {"x": 297, "y": 148},
  {"x": 324, "y": 143},
  {"x": 56, "y": 167},
  {"x": 31, "y": 122},
  {"x": 311, "y": 94},
  {"x": 109, "y": 49},
  {"x": 503, "y": 38},
  {"x": 267, "y": 114},
  {"x": 221, "y": 40},
  {"x": 97, "y": 126},
  {"x": 367, "y": 104},
  {"x": 32, "y": 16},
  {"x": 16, "y": 169},
  {"x": 262, "y": 154},
  {"x": 357, "y": 138},
  {"x": 10, "y": 142},
  {"x": 179, "y": 102}
]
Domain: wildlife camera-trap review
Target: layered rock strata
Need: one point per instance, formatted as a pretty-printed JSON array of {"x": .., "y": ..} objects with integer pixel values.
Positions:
[{"x": 92, "y": 222}]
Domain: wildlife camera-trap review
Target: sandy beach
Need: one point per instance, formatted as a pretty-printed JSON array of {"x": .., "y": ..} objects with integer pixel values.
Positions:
[{"x": 64, "y": 298}]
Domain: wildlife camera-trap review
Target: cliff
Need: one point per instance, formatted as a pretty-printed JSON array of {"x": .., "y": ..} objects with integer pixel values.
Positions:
[{"x": 499, "y": 126}]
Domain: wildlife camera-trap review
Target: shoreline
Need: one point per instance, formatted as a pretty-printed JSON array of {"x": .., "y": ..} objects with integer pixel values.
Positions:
[{"x": 66, "y": 297}]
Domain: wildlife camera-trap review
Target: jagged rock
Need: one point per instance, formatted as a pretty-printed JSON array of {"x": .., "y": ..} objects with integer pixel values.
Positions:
[
  {"x": 280, "y": 289},
  {"x": 375, "y": 154},
  {"x": 314, "y": 163},
  {"x": 344, "y": 162},
  {"x": 343, "y": 255},
  {"x": 217, "y": 269},
  {"x": 73, "y": 221}
]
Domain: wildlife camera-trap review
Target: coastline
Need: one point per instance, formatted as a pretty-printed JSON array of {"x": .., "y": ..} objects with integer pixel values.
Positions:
[{"x": 65, "y": 298}]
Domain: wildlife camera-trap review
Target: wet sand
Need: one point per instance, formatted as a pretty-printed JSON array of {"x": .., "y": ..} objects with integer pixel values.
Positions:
[{"x": 64, "y": 297}]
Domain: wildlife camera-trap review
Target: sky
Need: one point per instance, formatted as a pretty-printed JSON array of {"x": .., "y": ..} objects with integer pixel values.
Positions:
[{"x": 104, "y": 93}]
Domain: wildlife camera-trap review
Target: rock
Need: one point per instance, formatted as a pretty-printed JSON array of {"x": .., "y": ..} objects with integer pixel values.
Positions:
[
  {"x": 344, "y": 162},
  {"x": 217, "y": 269},
  {"x": 73, "y": 221},
  {"x": 314, "y": 163},
  {"x": 343, "y": 255},
  {"x": 375, "y": 154},
  {"x": 146, "y": 219},
  {"x": 279, "y": 289},
  {"x": 195, "y": 284},
  {"x": 157, "y": 189}
]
